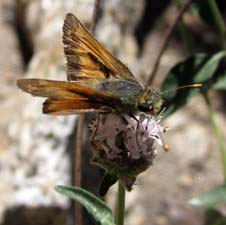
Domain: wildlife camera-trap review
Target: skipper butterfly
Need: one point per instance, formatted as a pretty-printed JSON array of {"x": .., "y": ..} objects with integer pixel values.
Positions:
[{"x": 97, "y": 81}]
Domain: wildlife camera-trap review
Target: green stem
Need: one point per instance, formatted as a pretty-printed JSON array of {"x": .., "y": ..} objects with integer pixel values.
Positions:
[
  {"x": 184, "y": 33},
  {"x": 217, "y": 133},
  {"x": 218, "y": 20},
  {"x": 121, "y": 204}
]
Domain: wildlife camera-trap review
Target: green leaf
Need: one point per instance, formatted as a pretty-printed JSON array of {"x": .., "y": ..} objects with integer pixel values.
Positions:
[
  {"x": 214, "y": 217},
  {"x": 208, "y": 69},
  {"x": 211, "y": 198},
  {"x": 96, "y": 207},
  {"x": 199, "y": 68},
  {"x": 108, "y": 180},
  {"x": 220, "y": 82}
]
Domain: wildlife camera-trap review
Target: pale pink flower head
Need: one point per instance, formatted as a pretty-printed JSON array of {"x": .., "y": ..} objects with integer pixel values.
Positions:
[{"x": 123, "y": 144}]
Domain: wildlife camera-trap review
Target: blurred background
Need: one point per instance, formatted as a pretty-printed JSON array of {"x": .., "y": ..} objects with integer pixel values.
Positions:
[{"x": 36, "y": 150}]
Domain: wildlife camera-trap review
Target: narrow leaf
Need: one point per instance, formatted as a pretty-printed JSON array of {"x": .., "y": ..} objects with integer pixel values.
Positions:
[
  {"x": 97, "y": 208},
  {"x": 211, "y": 198}
]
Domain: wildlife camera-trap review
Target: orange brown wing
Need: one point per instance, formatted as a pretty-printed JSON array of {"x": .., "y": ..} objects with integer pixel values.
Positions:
[
  {"x": 72, "y": 106},
  {"x": 68, "y": 97},
  {"x": 86, "y": 58}
]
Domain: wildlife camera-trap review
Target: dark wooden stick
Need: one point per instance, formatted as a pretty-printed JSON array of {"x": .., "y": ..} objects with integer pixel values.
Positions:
[
  {"x": 78, "y": 165},
  {"x": 79, "y": 136},
  {"x": 95, "y": 15},
  {"x": 167, "y": 39}
]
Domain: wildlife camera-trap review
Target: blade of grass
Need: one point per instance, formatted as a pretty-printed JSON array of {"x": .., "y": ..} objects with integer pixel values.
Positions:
[
  {"x": 218, "y": 20},
  {"x": 185, "y": 35},
  {"x": 217, "y": 133}
]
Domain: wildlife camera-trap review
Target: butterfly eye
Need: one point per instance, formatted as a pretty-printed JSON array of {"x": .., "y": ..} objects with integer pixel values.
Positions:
[{"x": 144, "y": 107}]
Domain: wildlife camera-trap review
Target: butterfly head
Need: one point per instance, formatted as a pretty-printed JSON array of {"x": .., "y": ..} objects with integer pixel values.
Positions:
[{"x": 150, "y": 101}]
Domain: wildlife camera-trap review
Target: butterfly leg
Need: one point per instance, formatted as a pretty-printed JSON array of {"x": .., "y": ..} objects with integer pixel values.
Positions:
[
  {"x": 97, "y": 125},
  {"x": 138, "y": 123}
]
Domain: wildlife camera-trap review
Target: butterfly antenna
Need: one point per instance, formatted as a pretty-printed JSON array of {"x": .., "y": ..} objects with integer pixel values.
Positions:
[
  {"x": 182, "y": 87},
  {"x": 164, "y": 145}
]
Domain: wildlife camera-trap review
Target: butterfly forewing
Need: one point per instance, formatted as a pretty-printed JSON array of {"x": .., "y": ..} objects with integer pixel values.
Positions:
[
  {"x": 48, "y": 88},
  {"x": 86, "y": 58},
  {"x": 68, "y": 97},
  {"x": 99, "y": 81}
]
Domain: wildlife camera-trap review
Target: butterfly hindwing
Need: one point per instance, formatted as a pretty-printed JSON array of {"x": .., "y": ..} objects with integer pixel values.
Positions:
[{"x": 71, "y": 106}]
